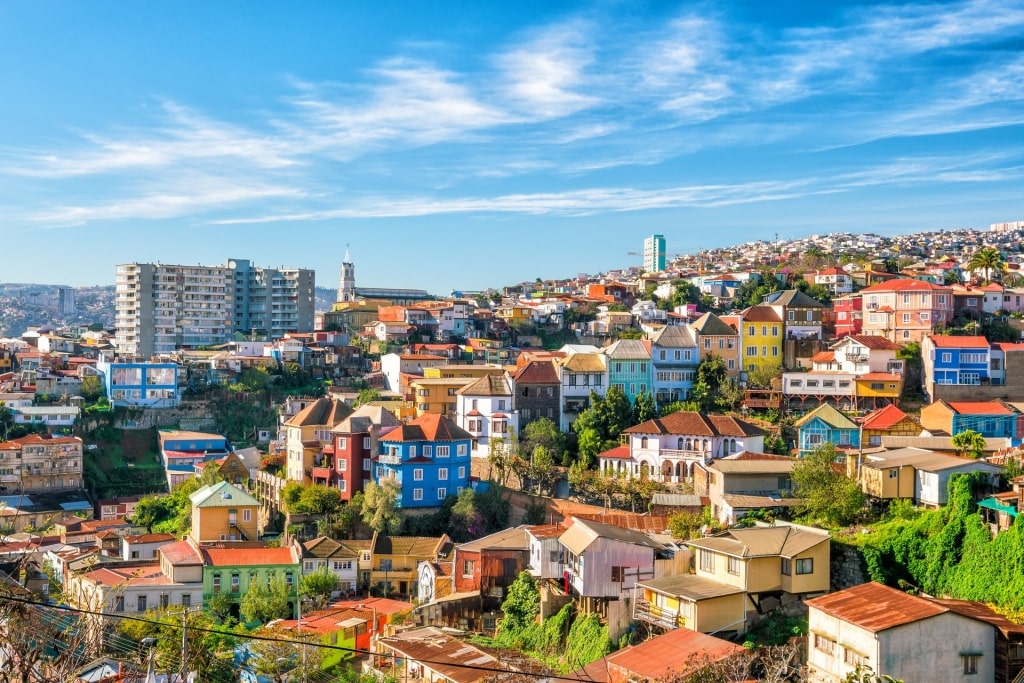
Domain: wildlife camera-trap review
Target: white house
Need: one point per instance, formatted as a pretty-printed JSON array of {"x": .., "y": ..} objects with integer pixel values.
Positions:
[
  {"x": 604, "y": 562},
  {"x": 547, "y": 556},
  {"x": 667, "y": 448},
  {"x": 485, "y": 408},
  {"x": 144, "y": 546},
  {"x": 323, "y": 553},
  {"x": 394, "y": 365},
  {"x": 907, "y": 637},
  {"x": 833, "y": 373},
  {"x": 580, "y": 373},
  {"x": 434, "y": 580}
]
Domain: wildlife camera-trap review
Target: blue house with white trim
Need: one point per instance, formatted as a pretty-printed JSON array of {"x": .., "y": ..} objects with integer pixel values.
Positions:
[
  {"x": 429, "y": 457},
  {"x": 955, "y": 360},
  {"x": 825, "y": 424},
  {"x": 151, "y": 385}
]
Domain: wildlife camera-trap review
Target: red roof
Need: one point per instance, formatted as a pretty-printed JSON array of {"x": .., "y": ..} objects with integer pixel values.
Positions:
[
  {"x": 617, "y": 453},
  {"x": 965, "y": 342},
  {"x": 823, "y": 357},
  {"x": 884, "y": 418},
  {"x": 979, "y": 408},
  {"x": 243, "y": 557},
  {"x": 904, "y": 285},
  {"x": 761, "y": 314},
  {"x": 383, "y": 606},
  {"x": 1008, "y": 347},
  {"x": 875, "y": 607},
  {"x": 668, "y": 655},
  {"x": 181, "y": 553},
  {"x": 873, "y": 342},
  {"x": 686, "y": 423},
  {"x": 429, "y": 427}
]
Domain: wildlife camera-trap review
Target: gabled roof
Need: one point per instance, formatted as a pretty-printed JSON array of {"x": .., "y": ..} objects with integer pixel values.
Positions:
[
  {"x": 181, "y": 553},
  {"x": 687, "y": 423},
  {"x": 784, "y": 540},
  {"x": 537, "y": 372},
  {"x": 583, "y": 362},
  {"x": 364, "y": 418},
  {"x": 671, "y": 655},
  {"x": 629, "y": 349},
  {"x": 515, "y": 538},
  {"x": 429, "y": 427},
  {"x": 675, "y": 336},
  {"x": 980, "y": 408},
  {"x": 710, "y": 325},
  {"x": 943, "y": 341},
  {"x": 793, "y": 298},
  {"x": 326, "y": 547},
  {"x": 583, "y": 532},
  {"x": 829, "y": 416},
  {"x": 488, "y": 385},
  {"x": 762, "y": 313},
  {"x": 871, "y": 341},
  {"x": 222, "y": 495},
  {"x": 754, "y": 463},
  {"x": 323, "y": 411},
  {"x": 884, "y": 418},
  {"x": 413, "y": 546},
  {"x": 876, "y": 608}
]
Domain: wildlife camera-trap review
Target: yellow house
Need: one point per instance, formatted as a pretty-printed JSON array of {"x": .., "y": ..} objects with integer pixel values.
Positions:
[
  {"x": 463, "y": 371},
  {"x": 692, "y": 602},
  {"x": 222, "y": 512},
  {"x": 437, "y": 395},
  {"x": 396, "y": 560},
  {"x": 880, "y": 388},
  {"x": 887, "y": 421},
  {"x": 308, "y": 431},
  {"x": 766, "y": 560},
  {"x": 761, "y": 337},
  {"x": 513, "y": 313}
]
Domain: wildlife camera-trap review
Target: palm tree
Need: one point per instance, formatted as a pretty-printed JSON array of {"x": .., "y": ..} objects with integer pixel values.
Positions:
[{"x": 987, "y": 259}]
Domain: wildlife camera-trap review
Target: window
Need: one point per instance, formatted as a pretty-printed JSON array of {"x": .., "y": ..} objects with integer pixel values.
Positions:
[
  {"x": 186, "y": 599},
  {"x": 787, "y": 566},
  {"x": 824, "y": 644},
  {"x": 791, "y": 315},
  {"x": 442, "y": 493},
  {"x": 289, "y": 579},
  {"x": 417, "y": 494},
  {"x": 707, "y": 342},
  {"x": 442, "y": 474},
  {"x": 734, "y": 565},
  {"x": 906, "y": 318},
  {"x": 165, "y": 600},
  {"x": 805, "y": 566},
  {"x": 235, "y": 583},
  {"x": 462, "y": 473},
  {"x": 618, "y": 574},
  {"x": 216, "y": 583},
  {"x": 970, "y": 664},
  {"x": 893, "y": 473},
  {"x": 417, "y": 474},
  {"x": 468, "y": 567},
  {"x": 141, "y": 603},
  {"x": 775, "y": 328},
  {"x": 342, "y": 442},
  {"x": 461, "y": 449},
  {"x": 751, "y": 351},
  {"x": 442, "y": 451},
  {"x": 707, "y": 561},
  {"x": 853, "y": 658},
  {"x": 247, "y": 515},
  {"x": 366, "y": 465},
  {"x": 307, "y": 565},
  {"x": 119, "y": 603}
]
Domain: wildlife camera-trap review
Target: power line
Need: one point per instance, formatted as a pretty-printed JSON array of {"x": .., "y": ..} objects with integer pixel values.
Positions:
[{"x": 252, "y": 636}]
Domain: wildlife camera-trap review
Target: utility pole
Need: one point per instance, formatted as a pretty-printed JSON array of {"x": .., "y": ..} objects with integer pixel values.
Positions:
[{"x": 184, "y": 645}]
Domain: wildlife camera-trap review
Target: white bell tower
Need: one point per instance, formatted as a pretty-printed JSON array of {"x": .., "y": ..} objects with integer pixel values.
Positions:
[{"x": 347, "y": 287}]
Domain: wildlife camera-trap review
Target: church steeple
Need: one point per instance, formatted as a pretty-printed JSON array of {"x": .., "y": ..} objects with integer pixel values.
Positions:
[{"x": 347, "y": 286}]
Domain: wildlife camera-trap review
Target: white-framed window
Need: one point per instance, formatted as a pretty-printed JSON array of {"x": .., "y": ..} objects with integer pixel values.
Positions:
[
  {"x": 442, "y": 451},
  {"x": 462, "y": 473},
  {"x": 417, "y": 494},
  {"x": 462, "y": 449},
  {"x": 442, "y": 493},
  {"x": 734, "y": 565},
  {"x": 247, "y": 515},
  {"x": 442, "y": 474},
  {"x": 412, "y": 451},
  {"x": 428, "y": 450},
  {"x": 417, "y": 474},
  {"x": 342, "y": 442},
  {"x": 366, "y": 465},
  {"x": 342, "y": 465},
  {"x": 906, "y": 318},
  {"x": 824, "y": 644},
  {"x": 707, "y": 561}
]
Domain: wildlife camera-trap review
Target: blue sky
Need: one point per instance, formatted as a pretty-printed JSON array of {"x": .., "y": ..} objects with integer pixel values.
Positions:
[{"x": 466, "y": 145}]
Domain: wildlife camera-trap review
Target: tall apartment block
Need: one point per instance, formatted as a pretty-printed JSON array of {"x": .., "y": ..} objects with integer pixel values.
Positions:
[
  {"x": 160, "y": 308},
  {"x": 654, "y": 254}
]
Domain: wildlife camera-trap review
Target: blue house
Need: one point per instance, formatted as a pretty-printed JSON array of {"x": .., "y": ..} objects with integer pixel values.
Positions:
[
  {"x": 181, "y": 450},
  {"x": 825, "y": 424},
  {"x": 955, "y": 360},
  {"x": 153, "y": 385},
  {"x": 992, "y": 419},
  {"x": 429, "y": 458},
  {"x": 629, "y": 363}
]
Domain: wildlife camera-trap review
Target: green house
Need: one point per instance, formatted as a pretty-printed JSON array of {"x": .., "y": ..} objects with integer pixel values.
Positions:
[{"x": 230, "y": 570}]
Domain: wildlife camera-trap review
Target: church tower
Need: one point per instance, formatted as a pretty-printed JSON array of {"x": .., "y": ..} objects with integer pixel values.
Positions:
[{"x": 347, "y": 288}]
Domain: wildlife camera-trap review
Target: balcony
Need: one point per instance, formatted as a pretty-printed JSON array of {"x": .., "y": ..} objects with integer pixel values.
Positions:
[
  {"x": 325, "y": 473},
  {"x": 389, "y": 459},
  {"x": 658, "y": 616}
]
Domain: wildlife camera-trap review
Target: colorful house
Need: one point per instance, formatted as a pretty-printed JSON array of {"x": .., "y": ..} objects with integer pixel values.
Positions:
[
  {"x": 761, "y": 337},
  {"x": 347, "y": 462},
  {"x": 429, "y": 458},
  {"x": 906, "y": 310},
  {"x": 848, "y": 314},
  {"x": 230, "y": 569},
  {"x": 222, "y": 512},
  {"x": 887, "y": 421},
  {"x": 629, "y": 367},
  {"x": 153, "y": 385},
  {"x": 181, "y": 450},
  {"x": 716, "y": 338},
  {"x": 674, "y": 360},
  {"x": 825, "y": 424},
  {"x": 485, "y": 408},
  {"x": 949, "y": 360},
  {"x": 538, "y": 392},
  {"x": 991, "y": 419},
  {"x": 308, "y": 432}
]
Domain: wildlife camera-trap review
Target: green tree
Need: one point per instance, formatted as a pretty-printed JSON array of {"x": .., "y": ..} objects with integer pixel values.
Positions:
[
  {"x": 542, "y": 468},
  {"x": 208, "y": 653},
  {"x": 828, "y": 495},
  {"x": 92, "y": 387},
  {"x": 644, "y": 408},
  {"x": 989, "y": 260},
  {"x": 617, "y": 413},
  {"x": 685, "y": 525},
  {"x": 763, "y": 373},
  {"x": 680, "y": 406},
  {"x": 589, "y": 443},
  {"x": 519, "y": 611},
  {"x": 263, "y": 603},
  {"x": 969, "y": 444},
  {"x": 380, "y": 506},
  {"x": 543, "y": 432},
  {"x": 865, "y": 674},
  {"x": 685, "y": 293},
  {"x": 366, "y": 396},
  {"x": 318, "y": 586}
]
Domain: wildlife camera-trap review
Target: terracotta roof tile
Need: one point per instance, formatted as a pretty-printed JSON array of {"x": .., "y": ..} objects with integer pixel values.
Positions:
[
  {"x": 979, "y": 408},
  {"x": 429, "y": 427},
  {"x": 241, "y": 557},
  {"x": 942, "y": 341},
  {"x": 874, "y": 342},
  {"x": 905, "y": 285},
  {"x": 884, "y": 418}
]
